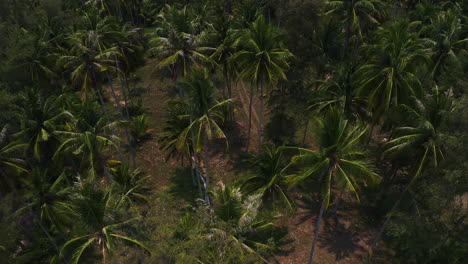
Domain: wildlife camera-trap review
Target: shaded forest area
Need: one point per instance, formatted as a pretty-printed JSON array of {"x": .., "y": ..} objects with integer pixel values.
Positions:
[{"x": 233, "y": 131}]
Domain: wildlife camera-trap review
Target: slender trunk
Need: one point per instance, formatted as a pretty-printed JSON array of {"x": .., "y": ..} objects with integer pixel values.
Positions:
[
  {"x": 206, "y": 160},
  {"x": 124, "y": 94},
  {"x": 229, "y": 91},
  {"x": 250, "y": 118},
  {"x": 370, "y": 133},
  {"x": 316, "y": 232},
  {"x": 225, "y": 79},
  {"x": 107, "y": 173},
  {"x": 175, "y": 76},
  {"x": 395, "y": 8},
  {"x": 196, "y": 165},
  {"x": 305, "y": 132},
  {"x": 346, "y": 42},
  {"x": 101, "y": 100},
  {"x": 260, "y": 121},
  {"x": 127, "y": 135},
  {"x": 227, "y": 6}
]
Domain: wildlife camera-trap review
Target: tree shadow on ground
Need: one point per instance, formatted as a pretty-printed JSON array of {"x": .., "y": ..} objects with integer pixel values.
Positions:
[
  {"x": 181, "y": 185},
  {"x": 338, "y": 238}
]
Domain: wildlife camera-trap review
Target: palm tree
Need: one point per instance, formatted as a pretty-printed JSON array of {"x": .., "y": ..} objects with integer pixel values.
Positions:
[
  {"x": 390, "y": 79},
  {"x": 88, "y": 139},
  {"x": 40, "y": 119},
  {"x": 224, "y": 38},
  {"x": 355, "y": 14},
  {"x": 421, "y": 137},
  {"x": 177, "y": 45},
  {"x": 338, "y": 90},
  {"x": 445, "y": 36},
  {"x": 98, "y": 224},
  {"x": 263, "y": 59},
  {"x": 7, "y": 159},
  {"x": 86, "y": 64},
  {"x": 339, "y": 159},
  {"x": 268, "y": 178},
  {"x": 245, "y": 225},
  {"x": 47, "y": 196},
  {"x": 128, "y": 185},
  {"x": 205, "y": 118}
]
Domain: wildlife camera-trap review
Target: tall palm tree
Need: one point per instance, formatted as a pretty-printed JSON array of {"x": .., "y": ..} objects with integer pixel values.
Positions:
[
  {"x": 8, "y": 161},
  {"x": 355, "y": 14},
  {"x": 40, "y": 119},
  {"x": 338, "y": 90},
  {"x": 245, "y": 225},
  {"x": 87, "y": 65},
  {"x": 445, "y": 35},
  {"x": 205, "y": 118},
  {"x": 224, "y": 38},
  {"x": 421, "y": 137},
  {"x": 268, "y": 178},
  {"x": 48, "y": 197},
  {"x": 98, "y": 224},
  {"x": 389, "y": 78},
  {"x": 88, "y": 138},
  {"x": 263, "y": 60},
  {"x": 177, "y": 45},
  {"x": 339, "y": 159}
]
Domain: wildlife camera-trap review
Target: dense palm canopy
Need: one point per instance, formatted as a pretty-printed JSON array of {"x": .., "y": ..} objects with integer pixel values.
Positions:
[{"x": 102, "y": 162}]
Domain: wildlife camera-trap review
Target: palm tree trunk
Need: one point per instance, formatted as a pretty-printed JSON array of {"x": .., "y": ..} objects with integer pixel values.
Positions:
[
  {"x": 346, "y": 42},
  {"x": 316, "y": 232},
  {"x": 228, "y": 6},
  {"x": 124, "y": 94},
  {"x": 260, "y": 121},
  {"x": 305, "y": 132},
  {"x": 206, "y": 160},
  {"x": 225, "y": 79},
  {"x": 196, "y": 165},
  {"x": 250, "y": 118}
]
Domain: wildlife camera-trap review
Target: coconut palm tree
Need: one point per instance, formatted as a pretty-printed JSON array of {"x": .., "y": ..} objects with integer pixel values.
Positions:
[
  {"x": 98, "y": 224},
  {"x": 205, "y": 118},
  {"x": 224, "y": 38},
  {"x": 8, "y": 161},
  {"x": 421, "y": 137},
  {"x": 40, "y": 118},
  {"x": 176, "y": 43},
  {"x": 338, "y": 90},
  {"x": 389, "y": 78},
  {"x": 128, "y": 186},
  {"x": 48, "y": 197},
  {"x": 263, "y": 60},
  {"x": 245, "y": 226},
  {"x": 355, "y": 14},
  {"x": 268, "y": 178},
  {"x": 88, "y": 138},
  {"x": 445, "y": 36},
  {"x": 339, "y": 160},
  {"x": 87, "y": 64}
]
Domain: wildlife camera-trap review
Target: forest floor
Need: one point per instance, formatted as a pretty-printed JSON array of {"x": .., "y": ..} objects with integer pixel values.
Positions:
[{"x": 342, "y": 241}]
